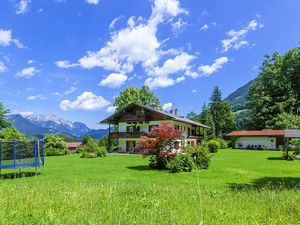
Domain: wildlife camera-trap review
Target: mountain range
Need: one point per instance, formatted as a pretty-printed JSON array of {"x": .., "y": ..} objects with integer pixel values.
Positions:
[
  {"x": 237, "y": 99},
  {"x": 39, "y": 125}
]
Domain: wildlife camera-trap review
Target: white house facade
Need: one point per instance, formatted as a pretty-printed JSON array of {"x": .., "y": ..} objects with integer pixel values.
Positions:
[{"x": 135, "y": 121}]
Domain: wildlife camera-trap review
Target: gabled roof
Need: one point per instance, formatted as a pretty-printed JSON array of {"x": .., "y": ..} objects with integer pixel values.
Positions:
[
  {"x": 74, "y": 144},
  {"x": 256, "y": 133},
  {"x": 169, "y": 115}
]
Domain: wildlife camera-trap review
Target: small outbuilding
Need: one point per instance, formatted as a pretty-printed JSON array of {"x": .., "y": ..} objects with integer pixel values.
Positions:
[
  {"x": 73, "y": 146},
  {"x": 262, "y": 139}
]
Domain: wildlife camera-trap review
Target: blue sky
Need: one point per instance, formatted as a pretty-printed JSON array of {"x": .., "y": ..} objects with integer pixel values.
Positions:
[{"x": 71, "y": 58}]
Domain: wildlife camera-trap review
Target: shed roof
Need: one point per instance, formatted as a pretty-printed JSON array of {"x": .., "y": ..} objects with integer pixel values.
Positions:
[
  {"x": 256, "y": 133},
  {"x": 74, "y": 144},
  {"x": 292, "y": 133}
]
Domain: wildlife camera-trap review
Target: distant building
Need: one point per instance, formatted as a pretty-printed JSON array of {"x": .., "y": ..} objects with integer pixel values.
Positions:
[
  {"x": 73, "y": 146},
  {"x": 262, "y": 139},
  {"x": 136, "y": 120}
]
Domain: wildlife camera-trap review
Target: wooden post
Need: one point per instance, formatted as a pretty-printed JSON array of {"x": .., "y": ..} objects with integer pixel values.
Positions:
[{"x": 109, "y": 140}]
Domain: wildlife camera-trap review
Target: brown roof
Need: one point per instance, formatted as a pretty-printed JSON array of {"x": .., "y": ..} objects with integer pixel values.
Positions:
[
  {"x": 111, "y": 119},
  {"x": 74, "y": 144},
  {"x": 255, "y": 133}
]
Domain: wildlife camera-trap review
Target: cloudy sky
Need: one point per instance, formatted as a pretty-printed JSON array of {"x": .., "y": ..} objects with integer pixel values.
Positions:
[{"x": 72, "y": 57}]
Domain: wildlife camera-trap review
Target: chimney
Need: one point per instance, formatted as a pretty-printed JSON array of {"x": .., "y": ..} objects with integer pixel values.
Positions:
[
  {"x": 171, "y": 111},
  {"x": 176, "y": 112}
]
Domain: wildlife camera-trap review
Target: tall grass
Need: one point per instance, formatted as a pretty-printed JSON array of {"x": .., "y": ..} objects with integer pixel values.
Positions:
[{"x": 121, "y": 190}]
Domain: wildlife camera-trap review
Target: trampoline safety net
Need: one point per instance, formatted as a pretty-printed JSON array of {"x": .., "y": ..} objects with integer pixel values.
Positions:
[{"x": 21, "y": 154}]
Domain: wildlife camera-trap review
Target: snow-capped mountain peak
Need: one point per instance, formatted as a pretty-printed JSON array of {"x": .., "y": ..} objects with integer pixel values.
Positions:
[{"x": 49, "y": 118}]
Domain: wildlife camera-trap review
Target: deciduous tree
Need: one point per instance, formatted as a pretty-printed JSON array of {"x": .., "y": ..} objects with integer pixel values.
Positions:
[
  {"x": 130, "y": 95},
  {"x": 159, "y": 142}
]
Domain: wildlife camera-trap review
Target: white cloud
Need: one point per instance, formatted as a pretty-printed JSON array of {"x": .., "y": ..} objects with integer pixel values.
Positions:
[
  {"x": 204, "y": 27},
  {"x": 70, "y": 91},
  {"x": 194, "y": 91},
  {"x": 6, "y": 39},
  {"x": 128, "y": 46},
  {"x": 166, "y": 8},
  {"x": 65, "y": 64},
  {"x": 170, "y": 66},
  {"x": 30, "y": 61},
  {"x": 35, "y": 97},
  {"x": 23, "y": 6},
  {"x": 180, "y": 79},
  {"x": 27, "y": 72},
  {"x": 3, "y": 68},
  {"x": 160, "y": 82},
  {"x": 86, "y": 101},
  {"x": 191, "y": 73},
  {"x": 167, "y": 106},
  {"x": 114, "y": 21},
  {"x": 95, "y": 2},
  {"x": 209, "y": 69},
  {"x": 134, "y": 44},
  {"x": 178, "y": 26},
  {"x": 26, "y": 113},
  {"x": 237, "y": 39},
  {"x": 114, "y": 80},
  {"x": 111, "y": 109}
]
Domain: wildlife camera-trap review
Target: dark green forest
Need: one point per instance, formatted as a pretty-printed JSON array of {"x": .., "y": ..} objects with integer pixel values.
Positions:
[{"x": 271, "y": 101}]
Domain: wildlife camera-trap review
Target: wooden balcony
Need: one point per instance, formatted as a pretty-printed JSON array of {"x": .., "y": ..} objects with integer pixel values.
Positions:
[
  {"x": 198, "y": 137},
  {"x": 134, "y": 118},
  {"x": 116, "y": 135}
]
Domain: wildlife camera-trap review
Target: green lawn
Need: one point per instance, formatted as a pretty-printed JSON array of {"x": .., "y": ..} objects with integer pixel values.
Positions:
[{"x": 240, "y": 187}]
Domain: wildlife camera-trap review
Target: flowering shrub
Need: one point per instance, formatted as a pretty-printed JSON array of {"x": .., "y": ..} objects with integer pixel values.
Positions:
[{"x": 159, "y": 143}]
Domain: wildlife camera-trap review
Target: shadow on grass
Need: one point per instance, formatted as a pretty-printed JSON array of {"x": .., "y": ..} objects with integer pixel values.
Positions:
[
  {"x": 6, "y": 176},
  {"x": 143, "y": 167},
  {"x": 276, "y": 158},
  {"x": 269, "y": 183}
]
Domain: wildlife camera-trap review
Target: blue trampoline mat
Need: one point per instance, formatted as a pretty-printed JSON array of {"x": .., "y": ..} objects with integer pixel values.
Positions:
[{"x": 20, "y": 165}]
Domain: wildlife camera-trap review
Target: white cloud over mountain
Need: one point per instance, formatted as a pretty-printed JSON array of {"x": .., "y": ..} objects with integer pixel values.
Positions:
[{"x": 86, "y": 101}]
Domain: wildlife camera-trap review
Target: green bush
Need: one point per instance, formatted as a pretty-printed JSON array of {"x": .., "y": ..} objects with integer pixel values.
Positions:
[
  {"x": 223, "y": 143},
  {"x": 200, "y": 155},
  {"x": 85, "y": 154},
  {"x": 213, "y": 146},
  {"x": 159, "y": 162},
  {"x": 92, "y": 150},
  {"x": 181, "y": 163},
  {"x": 55, "y": 152}
]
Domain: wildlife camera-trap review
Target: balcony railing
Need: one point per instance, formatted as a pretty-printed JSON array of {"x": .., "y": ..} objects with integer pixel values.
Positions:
[
  {"x": 196, "y": 136},
  {"x": 116, "y": 135}
]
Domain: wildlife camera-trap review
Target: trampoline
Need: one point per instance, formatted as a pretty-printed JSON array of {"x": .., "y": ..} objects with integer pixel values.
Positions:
[{"x": 21, "y": 154}]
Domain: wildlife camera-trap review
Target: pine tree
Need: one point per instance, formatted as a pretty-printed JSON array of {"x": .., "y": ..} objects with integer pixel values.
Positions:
[
  {"x": 221, "y": 114},
  {"x": 3, "y": 117}
]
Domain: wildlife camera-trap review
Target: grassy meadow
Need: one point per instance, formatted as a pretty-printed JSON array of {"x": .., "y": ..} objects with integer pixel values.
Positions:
[{"x": 240, "y": 187}]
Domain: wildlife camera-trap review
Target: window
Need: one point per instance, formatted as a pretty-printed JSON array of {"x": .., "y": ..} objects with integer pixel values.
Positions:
[
  {"x": 189, "y": 131},
  {"x": 132, "y": 129},
  {"x": 130, "y": 146}
]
